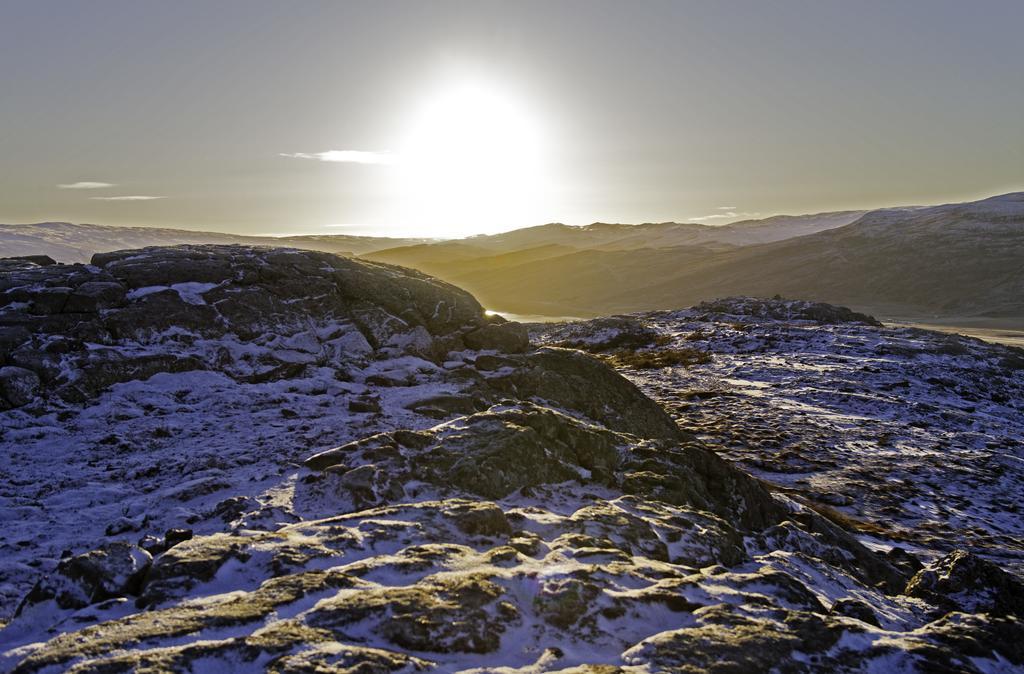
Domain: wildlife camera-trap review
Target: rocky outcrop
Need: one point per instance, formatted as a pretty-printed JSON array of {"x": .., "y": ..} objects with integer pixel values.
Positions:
[
  {"x": 77, "y": 329},
  {"x": 524, "y": 530},
  {"x": 824, "y": 408},
  {"x": 482, "y": 503},
  {"x": 780, "y": 309},
  {"x": 573, "y": 380},
  {"x": 114, "y": 570},
  {"x": 961, "y": 581}
]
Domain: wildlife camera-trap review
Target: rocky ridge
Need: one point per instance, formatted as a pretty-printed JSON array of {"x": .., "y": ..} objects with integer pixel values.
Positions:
[
  {"x": 911, "y": 437},
  {"x": 272, "y": 460}
]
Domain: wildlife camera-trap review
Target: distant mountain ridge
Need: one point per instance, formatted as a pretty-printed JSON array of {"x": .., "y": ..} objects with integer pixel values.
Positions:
[
  {"x": 950, "y": 260},
  {"x": 474, "y": 258},
  {"x": 74, "y": 242},
  {"x": 70, "y": 242},
  {"x": 962, "y": 260}
]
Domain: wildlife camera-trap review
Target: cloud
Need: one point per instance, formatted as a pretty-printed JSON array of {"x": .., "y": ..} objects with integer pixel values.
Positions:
[
  {"x": 730, "y": 214},
  {"x": 84, "y": 185},
  {"x": 129, "y": 197},
  {"x": 346, "y": 156}
]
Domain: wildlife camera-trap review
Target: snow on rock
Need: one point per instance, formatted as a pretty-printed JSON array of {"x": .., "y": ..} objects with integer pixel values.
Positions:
[
  {"x": 912, "y": 437},
  {"x": 332, "y": 465}
]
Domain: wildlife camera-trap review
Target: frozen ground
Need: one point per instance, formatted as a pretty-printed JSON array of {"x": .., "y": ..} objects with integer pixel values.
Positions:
[
  {"x": 377, "y": 477},
  {"x": 914, "y": 437}
]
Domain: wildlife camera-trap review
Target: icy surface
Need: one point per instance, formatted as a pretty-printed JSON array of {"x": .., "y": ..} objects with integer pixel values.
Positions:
[{"x": 916, "y": 436}]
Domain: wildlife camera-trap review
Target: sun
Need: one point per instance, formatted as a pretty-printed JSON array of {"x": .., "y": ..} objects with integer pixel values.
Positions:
[{"x": 472, "y": 161}]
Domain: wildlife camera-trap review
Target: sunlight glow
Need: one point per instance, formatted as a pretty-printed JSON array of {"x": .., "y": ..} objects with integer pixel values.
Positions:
[{"x": 472, "y": 161}]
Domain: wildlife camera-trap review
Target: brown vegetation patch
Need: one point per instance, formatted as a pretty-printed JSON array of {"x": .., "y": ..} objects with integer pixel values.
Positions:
[{"x": 648, "y": 360}]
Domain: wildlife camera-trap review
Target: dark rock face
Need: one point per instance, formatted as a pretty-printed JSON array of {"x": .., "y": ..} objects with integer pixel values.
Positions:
[{"x": 93, "y": 296}]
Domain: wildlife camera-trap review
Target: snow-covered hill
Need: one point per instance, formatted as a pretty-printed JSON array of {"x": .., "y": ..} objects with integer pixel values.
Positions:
[{"x": 220, "y": 458}]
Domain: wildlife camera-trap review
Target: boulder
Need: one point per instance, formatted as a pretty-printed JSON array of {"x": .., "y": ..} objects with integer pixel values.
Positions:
[
  {"x": 18, "y": 386},
  {"x": 113, "y": 570},
  {"x": 856, "y": 609},
  {"x": 95, "y": 296},
  {"x": 965, "y": 582},
  {"x": 11, "y": 337},
  {"x": 576, "y": 381},
  {"x": 508, "y": 337},
  {"x": 38, "y": 260},
  {"x": 45, "y": 301}
]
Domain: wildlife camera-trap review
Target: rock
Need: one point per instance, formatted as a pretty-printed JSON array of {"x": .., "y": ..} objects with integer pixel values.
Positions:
[
  {"x": 112, "y": 570},
  {"x": 479, "y": 519},
  {"x": 854, "y": 608},
  {"x": 510, "y": 449},
  {"x": 364, "y": 404},
  {"x": 11, "y": 337},
  {"x": 460, "y": 614},
  {"x": 124, "y": 524},
  {"x": 154, "y": 545},
  {"x": 38, "y": 260},
  {"x": 603, "y": 334},
  {"x": 780, "y": 309},
  {"x": 443, "y": 406},
  {"x": 45, "y": 301},
  {"x": 95, "y": 296},
  {"x": 725, "y": 640},
  {"x": 563, "y": 602},
  {"x": 904, "y": 561},
  {"x": 573, "y": 380},
  {"x": 965, "y": 582},
  {"x": 174, "y": 536},
  {"x": 18, "y": 386},
  {"x": 142, "y": 312},
  {"x": 486, "y": 362},
  {"x": 505, "y": 337},
  {"x": 691, "y": 474},
  {"x": 187, "y": 564}
]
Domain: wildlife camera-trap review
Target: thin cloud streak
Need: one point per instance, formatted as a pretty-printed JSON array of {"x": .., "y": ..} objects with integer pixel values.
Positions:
[
  {"x": 129, "y": 197},
  {"x": 84, "y": 185},
  {"x": 729, "y": 215},
  {"x": 345, "y": 156}
]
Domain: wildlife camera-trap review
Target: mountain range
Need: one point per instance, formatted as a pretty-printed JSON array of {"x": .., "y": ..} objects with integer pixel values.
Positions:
[
  {"x": 70, "y": 242},
  {"x": 954, "y": 260},
  {"x": 949, "y": 262}
]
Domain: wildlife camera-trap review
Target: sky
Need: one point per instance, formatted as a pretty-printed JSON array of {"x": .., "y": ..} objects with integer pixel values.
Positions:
[{"x": 451, "y": 118}]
